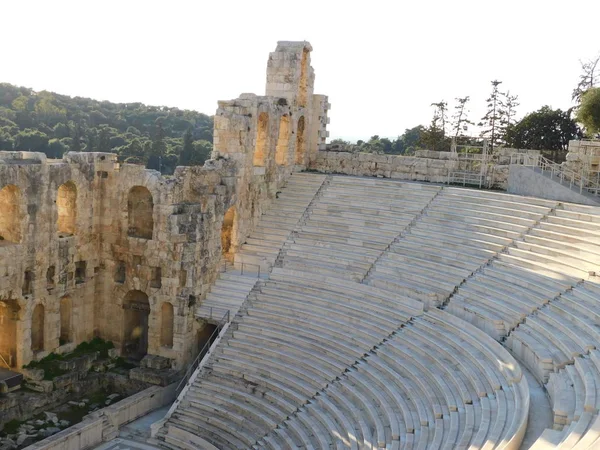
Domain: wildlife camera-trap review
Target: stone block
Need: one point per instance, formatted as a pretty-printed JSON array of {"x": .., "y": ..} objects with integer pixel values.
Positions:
[{"x": 33, "y": 374}]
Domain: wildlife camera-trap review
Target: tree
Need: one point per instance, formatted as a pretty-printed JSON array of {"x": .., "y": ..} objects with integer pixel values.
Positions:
[
  {"x": 545, "y": 129},
  {"x": 460, "y": 118},
  {"x": 588, "y": 78},
  {"x": 104, "y": 140},
  {"x": 187, "y": 153},
  {"x": 588, "y": 113},
  {"x": 434, "y": 137},
  {"x": 76, "y": 136},
  {"x": 492, "y": 119},
  {"x": 440, "y": 116},
  {"x": 31, "y": 140},
  {"x": 158, "y": 149},
  {"x": 509, "y": 106}
]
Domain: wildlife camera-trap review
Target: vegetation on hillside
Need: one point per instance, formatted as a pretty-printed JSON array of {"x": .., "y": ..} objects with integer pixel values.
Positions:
[{"x": 157, "y": 136}]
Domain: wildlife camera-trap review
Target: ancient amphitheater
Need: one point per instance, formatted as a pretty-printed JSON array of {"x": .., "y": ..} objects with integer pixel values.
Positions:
[{"x": 360, "y": 312}]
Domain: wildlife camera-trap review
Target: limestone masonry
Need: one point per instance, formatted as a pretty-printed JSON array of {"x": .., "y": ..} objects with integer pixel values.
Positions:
[{"x": 89, "y": 247}]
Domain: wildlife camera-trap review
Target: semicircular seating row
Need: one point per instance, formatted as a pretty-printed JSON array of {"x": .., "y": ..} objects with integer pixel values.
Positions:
[
  {"x": 312, "y": 362},
  {"x": 511, "y": 266}
]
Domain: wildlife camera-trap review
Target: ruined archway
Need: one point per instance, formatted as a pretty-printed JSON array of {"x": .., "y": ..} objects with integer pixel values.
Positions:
[
  {"x": 166, "y": 325},
  {"x": 37, "y": 328},
  {"x": 281, "y": 153},
  {"x": 227, "y": 233},
  {"x": 300, "y": 141},
  {"x": 140, "y": 208},
  {"x": 66, "y": 314},
  {"x": 303, "y": 85},
  {"x": 135, "y": 319},
  {"x": 10, "y": 222},
  {"x": 66, "y": 203},
  {"x": 9, "y": 316},
  {"x": 260, "y": 150}
]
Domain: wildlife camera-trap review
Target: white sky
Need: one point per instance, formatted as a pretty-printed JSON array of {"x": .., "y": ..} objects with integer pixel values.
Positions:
[{"x": 382, "y": 63}]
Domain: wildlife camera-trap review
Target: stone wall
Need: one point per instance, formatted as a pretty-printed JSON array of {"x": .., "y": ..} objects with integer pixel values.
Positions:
[
  {"x": 103, "y": 425},
  {"x": 414, "y": 168},
  {"x": 584, "y": 157},
  {"x": 425, "y": 165},
  {"x": 89, "y": 247}
]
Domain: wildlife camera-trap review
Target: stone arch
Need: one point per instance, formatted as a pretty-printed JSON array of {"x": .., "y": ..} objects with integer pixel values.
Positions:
[
  {"x": 227, "y": 233},
  {"x": 300, "y": 144},
  {"x": 135, "y": 321},
  {"x": 167, "y": 318},
  {"x": 66, "y": 323},
  {"x": 262, "y": 132},
  {"x": 10, "y": 220},
  {"x": 303, "y": 85},
  {"x": 38, "y": 319},
  {"x": 9, "y": 317},
  {"x": 283, "y": 140},
  {"x": 66, "y": 203},
  {"x": 140, "y": 209}
]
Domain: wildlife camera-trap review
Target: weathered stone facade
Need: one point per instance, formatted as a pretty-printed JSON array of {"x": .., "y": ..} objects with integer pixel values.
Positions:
[{"x": 90, "y": 247}]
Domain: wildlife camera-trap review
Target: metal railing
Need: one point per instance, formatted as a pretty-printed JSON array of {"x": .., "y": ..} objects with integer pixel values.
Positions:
[
  {"x": 232, "y": 266},
  {"x": 467, "y": 178},
  {"x": 194, "y": 365},
  {"x": 575, "y": 180}
]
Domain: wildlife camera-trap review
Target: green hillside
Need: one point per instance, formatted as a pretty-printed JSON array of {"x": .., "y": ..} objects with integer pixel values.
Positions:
[{"x": 157, "y": 136}]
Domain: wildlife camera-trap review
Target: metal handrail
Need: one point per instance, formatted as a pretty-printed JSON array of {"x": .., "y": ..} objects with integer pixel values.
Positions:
[
  {"x": 242, "y": 264},
  {"x": 192, "y": 367},
  {"x": 558, "y": 171}
]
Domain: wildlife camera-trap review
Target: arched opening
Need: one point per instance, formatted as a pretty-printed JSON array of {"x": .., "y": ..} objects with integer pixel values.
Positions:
[
  {"x": 66, "y": 313},
  {"x": 281, "y": 153},
  {"x": 302, "y": 91},
  {"x": 37, "y": 328},
  {"x": 166, "y": 325},
  {"x": 227, "y": 233},
  {"x": 10, "y": 223},
  {"x": 300, "y": 141},
  {"x": 9, "y": 316},
  {"x": 137, "y": 312},
  {"x": 140, "y": 207},
  {"x": 260, "y": 150},
  {"x": 66, "y": 203}
]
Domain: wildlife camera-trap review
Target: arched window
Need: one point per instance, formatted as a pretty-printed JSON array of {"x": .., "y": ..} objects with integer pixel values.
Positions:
[
  {"x": 140, "y": 207},
  {"x": 300, "y": 141},
  {"x": 66, "y": 203},
  {"x": 66, "y": 313},
  {"x": 135, "y": 320},
  {"x": 260, "y": 151},
  {"x": 10, "y": 220},
  {"x": 166, "y": 327},
  {"x": 37, "y": 328},
  {"x": 281, "y": 154},
  {"x": 227, "y": 232},
  {"x": 303, "y": 87}
]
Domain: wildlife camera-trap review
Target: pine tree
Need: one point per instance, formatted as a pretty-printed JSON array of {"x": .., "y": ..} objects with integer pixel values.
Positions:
[
  {"x": 588, "y": 78},
  {"x": 492, "y": 119},
  {"x": 460, "y": 118}
]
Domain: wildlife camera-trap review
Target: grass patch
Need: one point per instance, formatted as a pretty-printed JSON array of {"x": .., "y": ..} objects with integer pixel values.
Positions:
[
  {"x": 11, "y": 427},
  {"x": 50, "y": 363}
]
